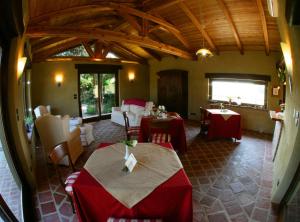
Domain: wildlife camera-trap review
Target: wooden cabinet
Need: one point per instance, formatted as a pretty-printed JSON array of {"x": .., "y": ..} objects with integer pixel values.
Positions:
[{"x": 172, "y": 91}]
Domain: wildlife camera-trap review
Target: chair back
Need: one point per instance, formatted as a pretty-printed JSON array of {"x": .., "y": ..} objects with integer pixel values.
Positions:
[
  {"x": 160, "y": 125},
  {"x": 50, "y": 130},
  {"x": 159, "y": 130},
  {"x": 42, "y": 111},
  {"x": 203, "y": 114},
  {"x": 57, "y": 154},
  {"x": 126, "y": 120}
]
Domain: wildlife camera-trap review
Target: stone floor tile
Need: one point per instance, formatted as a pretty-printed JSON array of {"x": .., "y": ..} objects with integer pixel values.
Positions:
[
  {"x": 47, "y": 208},
  {"x": 227, "y": 177},
  {"x": 219, "y": 217},
  {"x": 260, "y": 215}
]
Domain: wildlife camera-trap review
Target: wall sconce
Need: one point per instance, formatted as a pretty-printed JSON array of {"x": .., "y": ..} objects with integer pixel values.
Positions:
[
  {"x": 59, "y": 79},
  {"x": 131, "y": 76},
  {"x": 21, "y": 65},
  {"x": 286, "y": 50}
]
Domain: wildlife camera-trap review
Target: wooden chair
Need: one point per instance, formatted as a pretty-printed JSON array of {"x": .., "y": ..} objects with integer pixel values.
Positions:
[
  {"x": 160, "y": 131},
  {"x": 204, "y": 122},
  {"x": 58, "y": 153},
  {"x": 130, "y": 131}
]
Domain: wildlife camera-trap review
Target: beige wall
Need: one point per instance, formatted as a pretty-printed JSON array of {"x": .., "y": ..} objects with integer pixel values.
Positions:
[
  {"x": 288, "y": 156},
  {"x": 45, "y": 91},
  {"x": 25, "y": 151},
  {"x": 229, "y": 62}
]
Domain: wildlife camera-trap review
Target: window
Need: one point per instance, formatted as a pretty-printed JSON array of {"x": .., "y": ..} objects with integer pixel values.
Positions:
[
  {"x": 240, "y": 90},
  {"x": 76, "y": 51}
]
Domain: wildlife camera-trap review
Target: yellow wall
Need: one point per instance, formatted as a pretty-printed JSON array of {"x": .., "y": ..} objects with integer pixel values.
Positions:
[
  {"x": 227, "y": 62},
  {"x": 25, "y": 151},
  {"x": 288, "y": 156},
  {"x": 45, "y": 92}
]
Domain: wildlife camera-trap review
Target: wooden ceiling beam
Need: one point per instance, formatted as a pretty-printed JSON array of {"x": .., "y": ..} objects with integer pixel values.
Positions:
[
  {"x": 71, "y": 11},
  {"x": 87, "y": 33},
  {"x": 126, "y": 50},
  {"x": 143, "y": 15},
  {"x": 57, "y": 49},
  {"x": 51, "y": 43},
  {"x": 264, "y": 25},
  {"x": 88, "y": 49},
  {"x": 152, "y": 53},
  {"x": 86, "y": 59},
  {"x": 197, "y": 24},
  {"x": 163, "y": 5},
  {"x": 131, "y": 20},
  {"x": 231, "y": 24}
]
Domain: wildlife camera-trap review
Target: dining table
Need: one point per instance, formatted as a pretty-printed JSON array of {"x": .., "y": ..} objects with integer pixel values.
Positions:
[
  {"x": 176, "y": 130},
  {"x": 170, "y": 200},
  {"x": 223, "y": 123}
]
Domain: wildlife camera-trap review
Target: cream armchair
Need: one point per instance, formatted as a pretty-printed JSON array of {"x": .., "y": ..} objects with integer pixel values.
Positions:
[
  {"x": 54, "y": 130},
  {"x": 42, "y": 110}
]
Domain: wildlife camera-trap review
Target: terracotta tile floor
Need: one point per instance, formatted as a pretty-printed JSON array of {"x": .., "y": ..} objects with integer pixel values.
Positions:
[{"x": 231, "y": 181}]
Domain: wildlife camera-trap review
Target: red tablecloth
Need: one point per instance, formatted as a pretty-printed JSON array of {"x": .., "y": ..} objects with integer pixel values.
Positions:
[
  {"x": 171, "y": 201},
  {"x": 177, "y": 132},
  {"x": 221, "y": 128}
]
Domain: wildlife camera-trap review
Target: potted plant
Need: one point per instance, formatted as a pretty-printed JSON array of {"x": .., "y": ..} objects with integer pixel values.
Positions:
[{"x": 28, "y": 123}]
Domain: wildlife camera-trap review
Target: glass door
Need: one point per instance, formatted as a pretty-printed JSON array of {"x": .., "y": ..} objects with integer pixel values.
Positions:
[
  {"x": 89, "y": 95},
  {"x": 108, "y": 93},
  {"x": 97, "y": 95}
]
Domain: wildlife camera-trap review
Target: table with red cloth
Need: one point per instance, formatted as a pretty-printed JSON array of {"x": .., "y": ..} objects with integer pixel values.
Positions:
[
  {"x": 223, "y": 124},
  {"x": 170, "y": 201},
  {"x": 177, "y": 132}
]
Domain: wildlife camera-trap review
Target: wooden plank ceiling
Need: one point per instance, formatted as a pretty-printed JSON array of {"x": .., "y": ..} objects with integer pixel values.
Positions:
[{"x": 137, "y": 30}]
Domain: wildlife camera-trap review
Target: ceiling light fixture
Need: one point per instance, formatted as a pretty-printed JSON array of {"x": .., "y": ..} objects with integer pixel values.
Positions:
[{"x": 203, "y": 52}]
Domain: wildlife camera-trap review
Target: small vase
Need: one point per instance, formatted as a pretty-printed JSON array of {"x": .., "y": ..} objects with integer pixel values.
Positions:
[{"x": 126, "y": 152}]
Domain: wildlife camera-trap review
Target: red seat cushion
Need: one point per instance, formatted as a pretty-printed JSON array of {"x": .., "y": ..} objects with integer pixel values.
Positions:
[
  {"x": 70, "y": 181},
  {"x": 161, "y": 138},
  {"x": 111, "y": 219}
]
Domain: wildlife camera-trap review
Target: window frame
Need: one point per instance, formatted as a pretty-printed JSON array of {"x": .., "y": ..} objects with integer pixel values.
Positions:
[{"x": 243, "y": 78}]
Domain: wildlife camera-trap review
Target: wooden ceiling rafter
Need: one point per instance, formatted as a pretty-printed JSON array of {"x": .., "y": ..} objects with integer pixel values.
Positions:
[
  {"x": 144, "y": 15},
  {"x": 164, "y": 5},
  {"x": 57, "y": 49},
  {"x": 88, "y": 49},
  {"x": 152, "y": 53},
  {"x": 264, "y": 25},
  {"x": 46, "y": 17},
  {"x": 54, "y": 42},
  {"x": 39, "y": 31},
  {"x": 231, "y": 24},
  {"x": 128, "y": 51},
  {"x": 198, "y": 25},
  {"x": 131, "y": 20}
]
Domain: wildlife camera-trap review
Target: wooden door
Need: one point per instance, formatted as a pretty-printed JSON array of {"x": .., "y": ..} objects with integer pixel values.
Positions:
[{"x": 172, "y": 91}]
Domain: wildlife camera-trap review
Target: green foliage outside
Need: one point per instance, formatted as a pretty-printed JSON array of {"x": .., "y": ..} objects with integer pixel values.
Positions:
[{"x": 87, "y": 88}]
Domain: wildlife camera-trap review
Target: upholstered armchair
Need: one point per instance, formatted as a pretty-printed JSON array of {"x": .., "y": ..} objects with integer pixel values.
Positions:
[
  {"x": 54, "y": 130},
  {"x": 42, "y": 110},
  {"x": 135, "y": 109}
]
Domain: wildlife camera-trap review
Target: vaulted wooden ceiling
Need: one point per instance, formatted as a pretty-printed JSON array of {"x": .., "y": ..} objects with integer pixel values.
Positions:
[{"x": 141, "y": 29}]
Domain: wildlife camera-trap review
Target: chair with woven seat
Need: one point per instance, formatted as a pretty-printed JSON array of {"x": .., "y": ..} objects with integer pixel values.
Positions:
[
  {"x": 204, "y": 122},
  {"x": 160, "y": 131},
  {"x": 58, "y": 153},
  {"x": 130, "y": 131}
]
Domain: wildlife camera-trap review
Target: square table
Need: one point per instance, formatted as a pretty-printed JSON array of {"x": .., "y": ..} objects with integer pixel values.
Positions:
[
  {"x": 177, "y": 131},
  {"x": 223, "y": 123},
  {"x": 170, "y": 201}
]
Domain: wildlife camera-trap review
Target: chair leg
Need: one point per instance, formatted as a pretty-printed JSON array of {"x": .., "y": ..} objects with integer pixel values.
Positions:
[{"x": 72, "y": 204}]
